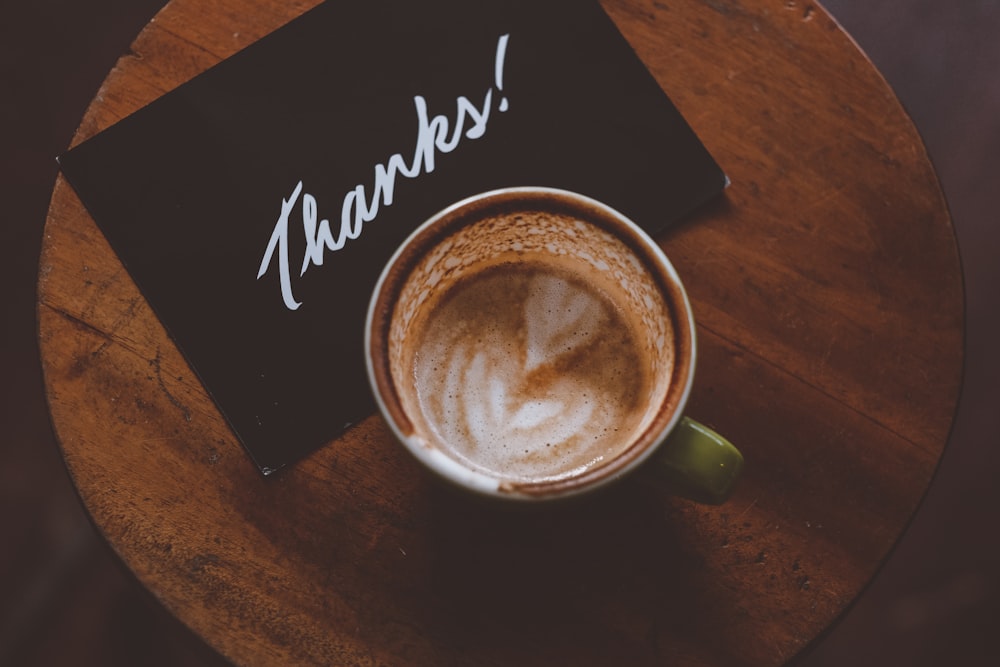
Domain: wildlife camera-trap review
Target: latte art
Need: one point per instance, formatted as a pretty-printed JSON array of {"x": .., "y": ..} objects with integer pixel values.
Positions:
[{"x": 528, "y": 372}]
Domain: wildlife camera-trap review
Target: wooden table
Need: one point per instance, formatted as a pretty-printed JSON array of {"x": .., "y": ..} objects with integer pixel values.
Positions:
[{"x": 828, "y": 291}]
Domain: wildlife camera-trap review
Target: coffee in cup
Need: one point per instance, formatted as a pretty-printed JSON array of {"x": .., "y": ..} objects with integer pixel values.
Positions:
[{"x": 533, "y": 343}]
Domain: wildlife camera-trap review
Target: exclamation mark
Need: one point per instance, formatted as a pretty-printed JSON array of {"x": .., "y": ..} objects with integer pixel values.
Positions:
[{"x": 498, "y": 73}]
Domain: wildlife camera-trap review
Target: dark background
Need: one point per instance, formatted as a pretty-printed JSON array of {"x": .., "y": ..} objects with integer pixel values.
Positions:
[{"x": 66, "y": 600}]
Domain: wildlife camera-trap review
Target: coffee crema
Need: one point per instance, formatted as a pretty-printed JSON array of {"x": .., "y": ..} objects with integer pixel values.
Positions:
[{"x": 527, "y": 371}]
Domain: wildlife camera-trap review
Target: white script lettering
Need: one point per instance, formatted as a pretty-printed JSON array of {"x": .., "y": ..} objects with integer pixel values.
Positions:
[{"x": 358, "y": 208}]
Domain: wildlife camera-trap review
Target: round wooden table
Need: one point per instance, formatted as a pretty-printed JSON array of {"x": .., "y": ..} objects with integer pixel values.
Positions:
[{"x": 828, "y": 290}]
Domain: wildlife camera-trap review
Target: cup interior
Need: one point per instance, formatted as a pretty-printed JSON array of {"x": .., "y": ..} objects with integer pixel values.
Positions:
[{"x": 507, "y": 229}]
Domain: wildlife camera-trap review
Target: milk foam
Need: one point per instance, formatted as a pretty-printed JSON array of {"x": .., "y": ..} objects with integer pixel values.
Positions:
[{"x": 529, "y": 374}]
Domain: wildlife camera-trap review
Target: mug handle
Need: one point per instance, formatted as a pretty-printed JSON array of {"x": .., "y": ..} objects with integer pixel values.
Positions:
[{"x": 697, "y": 463}]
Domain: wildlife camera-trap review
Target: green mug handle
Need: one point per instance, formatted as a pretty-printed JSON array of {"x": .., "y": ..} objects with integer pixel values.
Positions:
[{"x": 697, "y": 463}]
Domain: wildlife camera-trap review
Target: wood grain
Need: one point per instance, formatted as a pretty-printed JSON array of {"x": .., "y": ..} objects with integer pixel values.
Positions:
[{"x": 828, "y": 291}]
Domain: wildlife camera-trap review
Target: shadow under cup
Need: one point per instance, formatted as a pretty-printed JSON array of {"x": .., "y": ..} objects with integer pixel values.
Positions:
[{"x": 590, "y": 296}]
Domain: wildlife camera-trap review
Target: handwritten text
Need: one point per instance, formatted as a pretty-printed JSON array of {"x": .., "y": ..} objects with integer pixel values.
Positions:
[{"x": 360, "y": 206}]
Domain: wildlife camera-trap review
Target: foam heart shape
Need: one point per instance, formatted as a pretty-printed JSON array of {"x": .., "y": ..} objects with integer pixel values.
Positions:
[{"x": 559, "y": 317}]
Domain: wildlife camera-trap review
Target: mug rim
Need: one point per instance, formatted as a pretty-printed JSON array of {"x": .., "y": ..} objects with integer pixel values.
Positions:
[{"x": 450, "y": 469}]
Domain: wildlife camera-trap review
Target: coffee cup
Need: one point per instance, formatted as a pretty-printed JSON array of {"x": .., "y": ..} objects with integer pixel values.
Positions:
[{"x": 531, "y": 344}]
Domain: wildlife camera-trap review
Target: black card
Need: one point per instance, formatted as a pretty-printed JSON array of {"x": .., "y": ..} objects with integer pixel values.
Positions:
[{"x": 256, "y": 205}]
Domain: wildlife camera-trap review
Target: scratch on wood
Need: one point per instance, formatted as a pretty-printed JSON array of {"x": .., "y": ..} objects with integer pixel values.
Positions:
[
  {"x": 829, "y": 196},
  {"x": 155, "y": 363},
  {"x": 749, "y": 507}
]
